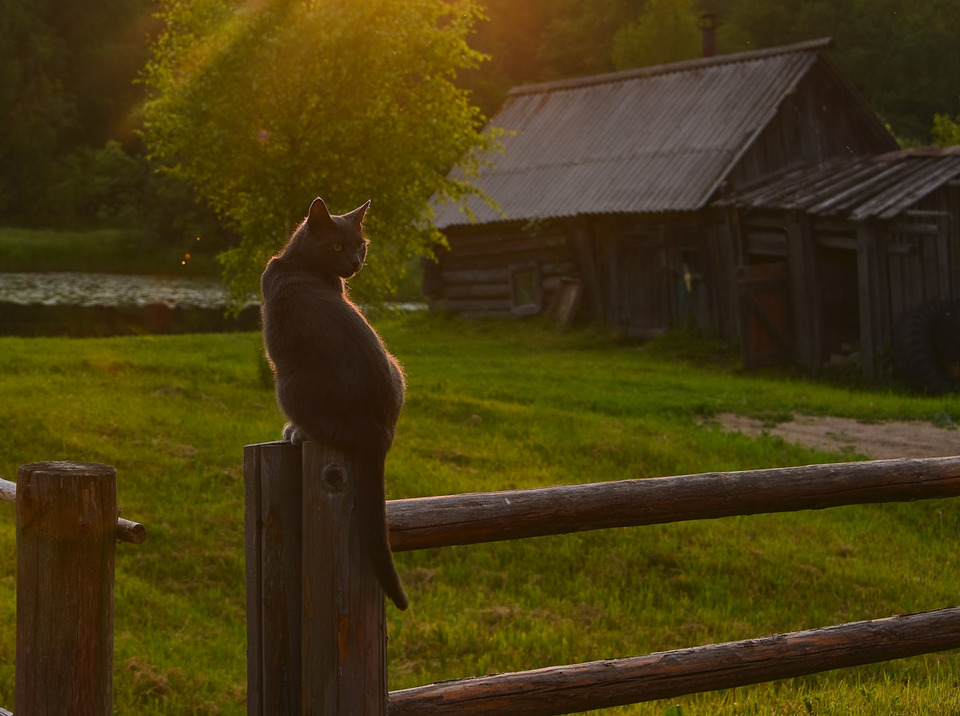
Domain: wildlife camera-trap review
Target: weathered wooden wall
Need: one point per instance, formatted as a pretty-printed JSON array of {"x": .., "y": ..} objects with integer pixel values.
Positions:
[
  {"x": 849, "y": 282},
  {"x": 814, "y": 123},
  {"x": 474, "y": 277}
]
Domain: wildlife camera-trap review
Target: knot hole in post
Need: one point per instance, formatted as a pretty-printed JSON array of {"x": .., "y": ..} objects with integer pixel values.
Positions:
[{"x": 334, "y": 477}]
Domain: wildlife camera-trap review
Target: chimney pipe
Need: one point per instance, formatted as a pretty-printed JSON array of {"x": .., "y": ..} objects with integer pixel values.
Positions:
[{"x": 708, "y": 33}]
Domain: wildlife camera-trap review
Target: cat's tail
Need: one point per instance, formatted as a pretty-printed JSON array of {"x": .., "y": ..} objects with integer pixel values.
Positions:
[{"x": 371, "y": 499}]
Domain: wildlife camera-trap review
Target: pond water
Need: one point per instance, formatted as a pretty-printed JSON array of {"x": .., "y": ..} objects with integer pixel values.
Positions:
[
  {"x": 100, "y": 289},
  {"x": 95, "y": 304},
  {"x": 99, "y": 304}
]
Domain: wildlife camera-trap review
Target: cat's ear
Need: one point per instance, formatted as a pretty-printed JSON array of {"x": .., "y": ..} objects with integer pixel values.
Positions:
[
  {"x": 356, "y": 216},
  {"x": 319, "y": 215}
]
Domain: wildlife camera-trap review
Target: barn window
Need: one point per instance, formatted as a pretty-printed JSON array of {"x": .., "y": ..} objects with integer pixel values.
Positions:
[{"x": 525, "y": 295}]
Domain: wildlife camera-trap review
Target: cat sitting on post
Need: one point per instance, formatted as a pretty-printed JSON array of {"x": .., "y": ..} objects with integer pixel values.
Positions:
[{"x": 335, "y": 381}]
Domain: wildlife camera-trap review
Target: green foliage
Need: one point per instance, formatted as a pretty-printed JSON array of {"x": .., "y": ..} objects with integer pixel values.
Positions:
[
  {"x": 66, "y": 82},
  {"x": 490, "y": 406},
  {"x": 901, "y": 57},
  {"x": 666, "y": 32},
  {"x": 264, "y": 106},
  {"x": 946, "y": 130}
]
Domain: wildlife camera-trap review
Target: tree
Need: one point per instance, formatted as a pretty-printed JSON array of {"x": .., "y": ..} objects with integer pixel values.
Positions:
[
  {"x": 904, "y": 57},
  {"x": 66, "y": 87},
  {"x": 264, "y": 105},
  {"x": 946, "y": 130},
  {"x": 666, "y": 32}
]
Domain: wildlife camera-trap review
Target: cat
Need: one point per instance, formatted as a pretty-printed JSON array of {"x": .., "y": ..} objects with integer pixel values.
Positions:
[{"x": 334, "y": 379}]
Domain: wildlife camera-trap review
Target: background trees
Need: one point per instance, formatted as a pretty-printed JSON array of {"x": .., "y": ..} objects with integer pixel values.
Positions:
[{"x": 365, "y": 100}]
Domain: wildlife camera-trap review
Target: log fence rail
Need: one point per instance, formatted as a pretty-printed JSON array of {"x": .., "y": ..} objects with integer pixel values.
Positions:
[
  {"x": 316, "y": 617},
  {"x": 277, "y": 473}
]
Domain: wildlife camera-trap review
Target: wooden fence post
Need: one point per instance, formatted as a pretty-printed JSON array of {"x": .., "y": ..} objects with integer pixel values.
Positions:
[
  {"x": 272, "y": 478},
  {"x": 316, "y": 620},
  {"x": 66, "y": 518}
]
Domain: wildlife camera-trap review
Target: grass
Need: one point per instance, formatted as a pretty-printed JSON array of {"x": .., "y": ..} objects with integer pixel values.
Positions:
[
  {"x": 490, "y": 406},
  {"x": 108, "y": 251}
]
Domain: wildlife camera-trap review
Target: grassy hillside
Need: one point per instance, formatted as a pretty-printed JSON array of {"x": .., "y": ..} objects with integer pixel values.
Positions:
[{"x": 490, "y": 406}]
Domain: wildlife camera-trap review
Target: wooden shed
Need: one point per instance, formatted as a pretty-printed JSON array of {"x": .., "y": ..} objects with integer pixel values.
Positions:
[
  {"x": 682, "y": 194},
  {"x": 841, "y": 251}
]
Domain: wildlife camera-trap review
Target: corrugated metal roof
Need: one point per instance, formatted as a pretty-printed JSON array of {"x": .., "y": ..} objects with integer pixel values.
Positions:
[
  {"x": 857, "y": 188},
  {"x": 648, "y": 140}
]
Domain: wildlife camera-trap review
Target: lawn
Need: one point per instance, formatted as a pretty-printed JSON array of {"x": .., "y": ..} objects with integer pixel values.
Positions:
[{"x": 490, "y": 406}]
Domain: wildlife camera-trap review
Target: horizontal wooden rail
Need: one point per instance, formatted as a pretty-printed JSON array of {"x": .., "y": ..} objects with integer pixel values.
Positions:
[
  {"x": 427, "y": 522},
  {"x": 127, "y": 531},
  {"x": 603, "y": 684}
]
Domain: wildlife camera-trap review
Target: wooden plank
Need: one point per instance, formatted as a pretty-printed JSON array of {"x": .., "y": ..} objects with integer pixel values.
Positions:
[
  {"x": 867, "y": 297},
  {"x": 837, "y": 242},
  {"x": 944, "y": 258},
  {"x": 765, "y": 244},
  {"x": 344, "y": 645},
  {"x": 499, "y": 261},
  {"x": 928, "y": 249},
  {"x": 66, "y": 520},
  {"x": 273, "y": 485},
  {"x": 495, "y": 275},
  {"x": 729, "y": 241},
  {"x": 582, "y": 246},
  {"x": 428, "y": 522},
  {"x": 487, "y": 306},
  {"x": 805, "y": 297},
  {"x": 477, "y": 290},
  {"x": 518, "y": 244},
  {"x": 616, "y": 682}
]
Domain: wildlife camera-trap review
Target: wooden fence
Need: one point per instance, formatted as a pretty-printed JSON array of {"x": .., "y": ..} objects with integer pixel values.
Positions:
[
  {"x": 67, "y": 523},
  {"x": 316, "y": 617},
  {"x": 316, "y": 637}
]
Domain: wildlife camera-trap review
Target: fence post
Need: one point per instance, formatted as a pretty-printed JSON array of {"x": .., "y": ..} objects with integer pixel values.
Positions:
[
  {"x": 66, "y": 519},
  {"x": 344, "y": 669},
  {"x": 316, "y": 620},
  {"x": 272, "y": 479}
]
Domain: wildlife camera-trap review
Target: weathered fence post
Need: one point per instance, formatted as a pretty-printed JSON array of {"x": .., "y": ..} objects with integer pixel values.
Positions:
[
  {"x": 316, "y": 621},
  {"x": 272, "y": 477},
  {"x": 66, "y": 534}
]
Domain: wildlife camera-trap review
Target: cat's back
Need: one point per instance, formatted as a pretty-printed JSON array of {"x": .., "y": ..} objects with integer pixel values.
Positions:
[{"x": 304, "y": 316}]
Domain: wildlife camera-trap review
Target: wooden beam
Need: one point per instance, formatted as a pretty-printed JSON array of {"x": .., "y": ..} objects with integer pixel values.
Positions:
[
  {"x": 805, "y": 293},
  {"x": 867, "y": 274},
  {"x": 428, "y": 522},
  {"x": 603, "y": 684}
]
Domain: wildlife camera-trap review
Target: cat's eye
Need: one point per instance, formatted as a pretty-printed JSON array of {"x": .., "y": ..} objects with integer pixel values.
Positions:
[{"x": 338, "y": 247}]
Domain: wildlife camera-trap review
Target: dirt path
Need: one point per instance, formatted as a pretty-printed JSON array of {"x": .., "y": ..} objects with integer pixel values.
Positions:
[{"x": 876, "y": 440}]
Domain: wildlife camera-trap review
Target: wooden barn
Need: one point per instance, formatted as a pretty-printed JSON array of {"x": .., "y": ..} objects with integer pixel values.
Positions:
[{"x": 670, "y": 196}]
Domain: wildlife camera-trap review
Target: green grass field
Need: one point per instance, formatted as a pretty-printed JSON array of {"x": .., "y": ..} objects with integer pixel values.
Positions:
[{"x": 490, "y": 406}]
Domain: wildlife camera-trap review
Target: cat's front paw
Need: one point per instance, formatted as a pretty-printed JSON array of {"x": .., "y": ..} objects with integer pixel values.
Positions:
[{"x": 290, "y": 434}]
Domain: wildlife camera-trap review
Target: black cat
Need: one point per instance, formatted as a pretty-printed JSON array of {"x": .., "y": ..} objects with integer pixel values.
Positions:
[{"x": 335, "y": 380}]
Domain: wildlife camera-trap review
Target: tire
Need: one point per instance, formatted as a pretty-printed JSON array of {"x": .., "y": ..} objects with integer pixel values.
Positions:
[{"x": 926, "y": 347}]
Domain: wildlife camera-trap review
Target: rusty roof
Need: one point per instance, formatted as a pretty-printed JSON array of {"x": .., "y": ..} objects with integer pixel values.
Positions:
[
  {"x": 647, "y": 140},
  {"x": 857, "y": 188}
]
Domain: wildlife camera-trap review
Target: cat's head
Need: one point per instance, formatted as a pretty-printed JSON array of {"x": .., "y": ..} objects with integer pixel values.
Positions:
[{"x": 335, "y": 244}]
